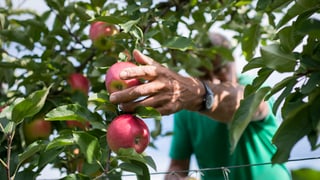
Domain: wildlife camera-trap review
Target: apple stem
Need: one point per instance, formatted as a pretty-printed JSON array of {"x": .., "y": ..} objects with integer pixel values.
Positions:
[{"x": 137, "y": 140}]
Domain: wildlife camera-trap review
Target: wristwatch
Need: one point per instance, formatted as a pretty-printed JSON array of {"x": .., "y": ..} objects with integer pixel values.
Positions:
[{"x": 208, "y": 98}]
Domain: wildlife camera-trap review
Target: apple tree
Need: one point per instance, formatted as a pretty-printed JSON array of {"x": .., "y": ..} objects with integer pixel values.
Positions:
[{"x": 40, "y": 52}]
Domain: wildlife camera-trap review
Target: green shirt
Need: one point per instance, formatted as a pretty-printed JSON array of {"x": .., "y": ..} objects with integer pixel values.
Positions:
[{"x": 208, "y": 140}]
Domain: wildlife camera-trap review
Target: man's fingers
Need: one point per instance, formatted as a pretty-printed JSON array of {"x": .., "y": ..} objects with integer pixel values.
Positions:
[
  {"x": 133, "y": 93},
  {"x": 145, "y": 72},
  {"x": 143, "y": 59}
]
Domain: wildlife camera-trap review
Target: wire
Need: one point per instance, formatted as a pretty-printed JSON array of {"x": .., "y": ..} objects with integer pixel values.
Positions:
[{"x": 225, "y": 170}]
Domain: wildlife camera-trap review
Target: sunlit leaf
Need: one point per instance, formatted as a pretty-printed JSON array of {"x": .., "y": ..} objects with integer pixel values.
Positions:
[
  {"x": 31, "y": 150},
  {"x": 148, "y": 112},
  {"x": 70, "y": 112},
  {"x": 305, "y": 173},
  {"x": 181, "y": 43},
  {"x": 29, "y": 106},
  {"x": 88, "y": 144}
]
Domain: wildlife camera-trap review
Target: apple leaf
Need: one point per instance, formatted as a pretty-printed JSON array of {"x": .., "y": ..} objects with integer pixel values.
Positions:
[
  {"x": 48, "y": 156},
  {"x": 128, "y": 25},
  {"x": 112, "y": 19},
  {"x": 131, "y": 168},
  {"x": 145, "y": 171},
  {"x": 275, "y": 58},
  {"x": 61, "y": 141},
  {"x": 81, "y": 12},
  {"x": 148, "y": 112},
  {"x": 305, "y": 173},
  {"x": 29, "y": 106},
  {"x": 76, "y": 176},
  {"x": 150, "y": 162},
  {"x": 102, "y": 97},
  {"x": 243, "y": 116},
  {"x": 179, "y": 42},
  {"x": 250, "y": 40},
  {"x": 70, "y": 112},
  {"x": 32, "y": 149},
  {"x": 288, "y": 134},
  {"x": 89, "y": 145},
  {"x": 253, "y": 63}
]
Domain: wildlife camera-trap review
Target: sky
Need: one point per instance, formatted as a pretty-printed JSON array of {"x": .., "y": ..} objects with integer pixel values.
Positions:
[{"x": 160, "y": 155}]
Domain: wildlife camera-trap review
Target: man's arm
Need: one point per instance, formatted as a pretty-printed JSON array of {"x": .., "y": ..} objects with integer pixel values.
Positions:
[
  {"x": 178, "y": 169},
  {"x": 170, "y": 92}
]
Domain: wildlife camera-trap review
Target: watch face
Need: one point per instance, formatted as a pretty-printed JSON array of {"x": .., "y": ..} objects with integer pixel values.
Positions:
[{"x": 209, "y": 101}]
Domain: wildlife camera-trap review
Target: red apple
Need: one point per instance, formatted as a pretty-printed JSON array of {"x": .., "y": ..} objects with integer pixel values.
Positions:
[
  {"x": 78, "y": 124},
  {"x": 112, "y": 80},
  {"x": 99, "y": 31},
  {"x": 37, "y": 129},
  {"x": 128, "y": 131},
  {"x": 79, "y": 82}
]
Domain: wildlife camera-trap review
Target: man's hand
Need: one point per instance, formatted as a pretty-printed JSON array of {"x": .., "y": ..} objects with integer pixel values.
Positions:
[{"x": 164, "y": 90}]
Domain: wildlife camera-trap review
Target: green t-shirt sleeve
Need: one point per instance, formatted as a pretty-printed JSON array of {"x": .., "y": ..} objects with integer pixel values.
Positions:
[{"x": 181, "y": 146}]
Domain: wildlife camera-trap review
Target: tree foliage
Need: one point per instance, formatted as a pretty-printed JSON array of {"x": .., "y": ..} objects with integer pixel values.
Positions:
[{"x": 40, "y": 50}]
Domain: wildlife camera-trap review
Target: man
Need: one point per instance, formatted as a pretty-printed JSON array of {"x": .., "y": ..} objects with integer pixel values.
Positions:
[
  {"x": 208, "y": 139},
  {"x": 203, "y": 108}
]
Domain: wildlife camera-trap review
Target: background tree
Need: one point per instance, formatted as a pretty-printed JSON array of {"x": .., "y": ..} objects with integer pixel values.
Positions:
[{"x": 39, "y": 52}]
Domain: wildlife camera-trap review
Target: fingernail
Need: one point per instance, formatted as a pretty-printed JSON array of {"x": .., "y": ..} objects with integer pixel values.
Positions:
[{"x": 123, "y": 74}]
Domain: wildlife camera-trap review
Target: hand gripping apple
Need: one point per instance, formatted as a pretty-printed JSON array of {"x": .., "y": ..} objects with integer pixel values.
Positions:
[{"x": 112, "y": 80}]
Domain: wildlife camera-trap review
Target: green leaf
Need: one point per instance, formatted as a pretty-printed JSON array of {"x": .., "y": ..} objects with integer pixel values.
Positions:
[
  {"x": 31, "y": 150},
  {"x": 291, "y": 130},
  {"x": 263, "y": 4},
  {"x": 282, "y": 84},
  {"x": 243, "y": 116},
  {"x": 131, "y": 168},
  {"x": 70, "y": 112},
  {"x": 312, "y": 84},
  {"x": 76, "y": 177},
  {"x": 29, "y": 106},
  {"x": 288, "y": 88},
  {"x": 10, "y": 127},
  {"x": 61, "y": 141},
  {"x": 253, "y": 64},
  {"x": 150, "y": 162},
  {"x": 111, "y": 19},
  {"x": 250, "y": 40},
  {"x": 88, "y": 144},
  {"x": 81, "y": 12},
  {"x": 148, "y": 112},
  {"x": 98, "y": 3},
  {"x": 137, "y": 167},
  {"x": 49, "y": 156},
  {"x": 127, "y": 26},
  {"x": 292, "y": 12},
  {"x": 145, "y": 171},
  {"x": 305, "y": 173},
  {"x": 289, "y": 38},
  {"x": 275, "y": 58},
  {"x": 263, "y": 75},
  {"x": 180, "y": 43},
  {"x": 309, "y": 26}
]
